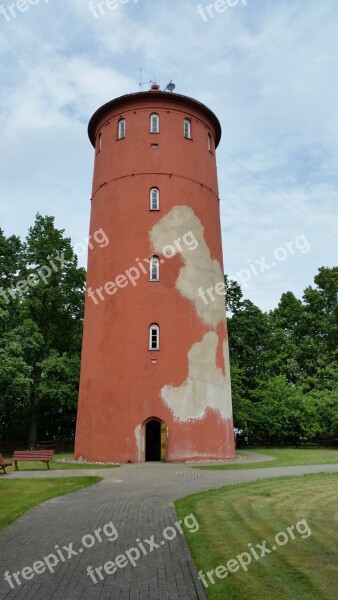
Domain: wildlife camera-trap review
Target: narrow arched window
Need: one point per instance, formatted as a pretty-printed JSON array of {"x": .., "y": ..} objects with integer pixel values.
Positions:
[
  {"x": 154, "y": 270},
  {"x": 154, "y": 337},
  {"x": 154, "y": 123},
  {"x": 99, "y": 142},
  {"x": 121, "y": 133},
  {"x": 187, "y": 128},
  {"x": 154, "y": 199},
  {"x": 209, "y": 143}
]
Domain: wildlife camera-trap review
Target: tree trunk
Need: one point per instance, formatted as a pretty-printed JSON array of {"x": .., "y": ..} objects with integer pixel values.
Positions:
[
  {"x": 33, "y": 430},
  {"x": 34, "y": 417}
]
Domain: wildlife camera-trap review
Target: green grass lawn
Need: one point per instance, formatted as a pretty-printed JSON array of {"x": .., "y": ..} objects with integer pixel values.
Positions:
[
  {"x": 233, "y": 517},
  {"x": 17, "y": 496},
  {"x": 38, "y": 466},
  {"x": 285, "y": 457}
]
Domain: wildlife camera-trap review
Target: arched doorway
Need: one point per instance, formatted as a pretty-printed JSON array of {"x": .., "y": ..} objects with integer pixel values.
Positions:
[{"x": 153, "y": 440}]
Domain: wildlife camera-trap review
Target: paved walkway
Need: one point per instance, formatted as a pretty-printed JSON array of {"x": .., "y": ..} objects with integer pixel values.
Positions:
[{"x": 138, "y": 500}]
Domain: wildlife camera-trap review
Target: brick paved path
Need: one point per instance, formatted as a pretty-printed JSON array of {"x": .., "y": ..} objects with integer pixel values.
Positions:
[{"x": 138, "y": 500}]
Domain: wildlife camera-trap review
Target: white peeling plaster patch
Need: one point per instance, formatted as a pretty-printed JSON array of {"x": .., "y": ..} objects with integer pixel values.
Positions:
[
  {"x": 205, "y": 387},
  {"x": 138, "y": 437},
  {"x": 199, "y": 270}
]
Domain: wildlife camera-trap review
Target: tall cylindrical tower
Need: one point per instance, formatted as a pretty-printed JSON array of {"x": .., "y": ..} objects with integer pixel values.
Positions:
[{"x": 155, "y": 379}]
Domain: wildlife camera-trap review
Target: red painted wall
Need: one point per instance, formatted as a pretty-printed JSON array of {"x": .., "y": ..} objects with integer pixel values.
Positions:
[{"x": 120, "y": 386}]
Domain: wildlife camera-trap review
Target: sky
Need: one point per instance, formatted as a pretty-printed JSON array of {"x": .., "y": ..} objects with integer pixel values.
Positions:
[{"x": 268, "y": 69}]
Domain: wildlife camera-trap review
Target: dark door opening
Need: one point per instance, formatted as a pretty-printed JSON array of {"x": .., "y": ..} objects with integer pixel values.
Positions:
[{"x": 153, "y": 441}]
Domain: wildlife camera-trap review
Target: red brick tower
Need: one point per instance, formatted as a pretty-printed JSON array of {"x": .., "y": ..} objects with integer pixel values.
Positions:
[{"x": 155, "y": 380}]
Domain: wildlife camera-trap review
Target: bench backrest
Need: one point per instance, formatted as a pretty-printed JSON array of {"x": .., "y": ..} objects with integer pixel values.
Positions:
[
  {"x": 33, "y": 455},
  {"x": 1, "y": 459}
]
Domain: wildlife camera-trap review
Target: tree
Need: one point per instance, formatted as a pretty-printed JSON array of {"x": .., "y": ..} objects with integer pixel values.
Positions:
[
  {"x": 58, "y": 392},
  {"x": 234, "y": 295},
  {"x": 321, "y": 314},
  {"x": 282, "y": 412},
  {"x": 15, "y": 380},
  {"x": 248, "y": 341},
  {"x": 54, "y": 304},
  {"x": 14, "y": 370},
  {"x": 11, "y": 260},
  {"x": 324, "y": 406},
  {"x": 41, "y": 313},
  {"x": 285, "y": 362}
]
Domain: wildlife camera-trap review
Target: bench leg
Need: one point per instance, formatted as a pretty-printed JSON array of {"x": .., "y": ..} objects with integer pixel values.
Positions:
[
  {"x": 16, "y": 466},
  {"x": 48, "y": 465}
]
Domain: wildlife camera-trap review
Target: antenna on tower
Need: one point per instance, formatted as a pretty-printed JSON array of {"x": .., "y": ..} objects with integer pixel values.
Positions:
[{"x": 142, "y": 83}]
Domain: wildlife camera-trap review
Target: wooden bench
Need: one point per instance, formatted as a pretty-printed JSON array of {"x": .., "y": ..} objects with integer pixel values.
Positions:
[
  {"x": 32, "y": 455},
  {"x": 4, "y": 463}
]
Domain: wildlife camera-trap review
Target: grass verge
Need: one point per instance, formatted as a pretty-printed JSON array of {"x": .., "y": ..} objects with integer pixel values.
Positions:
[
  {"x": 17, "y": 496},
  {"x": 284, "y": 457},
  {"x": 231, "y": 518}
]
